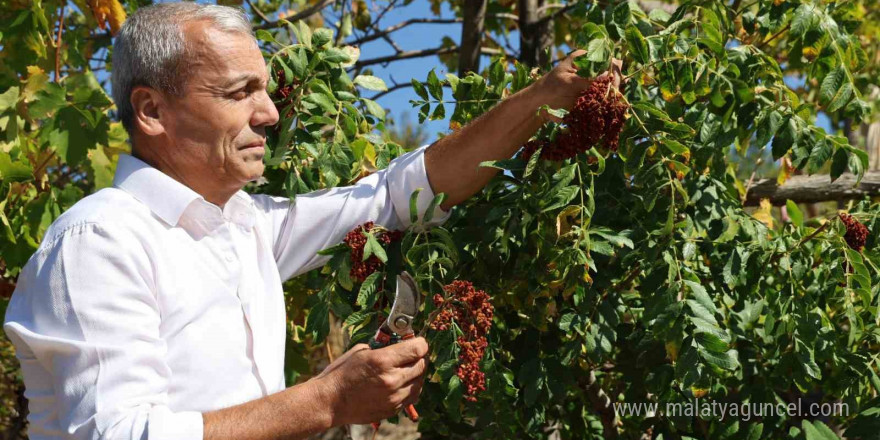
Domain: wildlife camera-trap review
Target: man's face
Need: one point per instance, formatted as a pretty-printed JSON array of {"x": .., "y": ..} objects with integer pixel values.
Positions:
[{"x": 217, "y": 128}]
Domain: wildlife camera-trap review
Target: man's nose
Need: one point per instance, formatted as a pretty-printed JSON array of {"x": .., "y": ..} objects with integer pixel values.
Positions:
[{"x": 265, "y": 112}]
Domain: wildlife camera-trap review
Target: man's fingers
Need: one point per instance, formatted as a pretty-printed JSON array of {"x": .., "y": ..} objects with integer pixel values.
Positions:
[
  {"x": 413, "y": 371},
  {"x": 409, "y": 392},
  {"x": 406, "y": 352},
  {"x": 576, "y": 54}
]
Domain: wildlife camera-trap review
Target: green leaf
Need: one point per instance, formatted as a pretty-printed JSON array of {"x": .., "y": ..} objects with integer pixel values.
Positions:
[
  {"x": 302, "y": 33},
  {"x": 838, "y": 163},
  {"x": 804, "y": 19},
  {"x": 434, "y": 86},
  {"x": 334, "y": 55},
  {"x": 857, "y": 163},
  {"x": 8, "y": 99},
  {"x": 674, "y": 146},
  {"x": 637, "y": 45},
  {"x": 321, "y": 36},
  {"x": 298, "y": 62},
  {"x": 533, "y": 162},
  {"x": 797, "y": 217},
  {"x": 562, "y": 197},
  {"x": 49, "y": 100},
  {"x": 727, "y": 361},
  {"x": 370, "y": 82},
  {"x": 439, "y": 113},
  {"x": 367, "y": 292},
  {"x": 341, "y": 247},
  {"x": 373, "y": 247},
  {"x": 832, "y": 82},
  {"x": 711, "y": 25},
  {"x": 819, "y": 155},
  {"x": 414, "y": 206},
  {"x": 817, "y": 431},
  {"x": 420, "y": 89},
  {"x": 14, "y": 171},
  {"x": 318, "y": 322},
  {"x": 264, "y": 35},
  {"x": 374, "y": 108},
  {"x": 435, "y": 202},
  {"x": 841, "y": 98}
]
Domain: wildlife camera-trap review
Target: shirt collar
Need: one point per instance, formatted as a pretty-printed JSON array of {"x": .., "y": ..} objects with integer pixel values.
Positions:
[{"x": 168, "y": 198}]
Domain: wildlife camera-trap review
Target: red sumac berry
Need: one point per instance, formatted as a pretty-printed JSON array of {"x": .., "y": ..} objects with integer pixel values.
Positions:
[
  {"x": 472, "y": 311},
  {"x": 356, "y": 239},
  {"x": 856, "y": 233},
  {"x": 598, "y": 115}
]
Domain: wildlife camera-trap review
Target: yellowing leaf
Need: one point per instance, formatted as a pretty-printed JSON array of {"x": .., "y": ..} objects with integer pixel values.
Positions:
[
  {"x": 763, "y": 213},
  {"x": 672, "y": 348},
  {"x": 668, "y": 95},
  {"x": 108, "y": 12},
  {"x": 566, "y": 218},
  {"x": 784, "y": 171},
  {"x": 37, "y": 79}
]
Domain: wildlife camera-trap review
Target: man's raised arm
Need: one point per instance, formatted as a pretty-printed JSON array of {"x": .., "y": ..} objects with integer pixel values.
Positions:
[{"x": 453, "y": 163}]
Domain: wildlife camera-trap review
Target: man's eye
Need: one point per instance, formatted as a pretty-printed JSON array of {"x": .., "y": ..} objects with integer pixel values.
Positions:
[{"x": 238, "y": 95}]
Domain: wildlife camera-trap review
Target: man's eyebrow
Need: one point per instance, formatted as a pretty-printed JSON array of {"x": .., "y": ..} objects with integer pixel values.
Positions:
[{"x": 249, "y": 77}]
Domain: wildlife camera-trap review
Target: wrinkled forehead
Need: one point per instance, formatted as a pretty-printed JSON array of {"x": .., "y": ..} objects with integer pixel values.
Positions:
[{"x": 215, "y": 55}]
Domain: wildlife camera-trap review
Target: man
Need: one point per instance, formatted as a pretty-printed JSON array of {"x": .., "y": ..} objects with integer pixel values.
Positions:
[{"x": 154, "y": 309}]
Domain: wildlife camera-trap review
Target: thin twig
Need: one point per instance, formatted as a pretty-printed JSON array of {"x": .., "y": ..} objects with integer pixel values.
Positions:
[
  {"x": 751, "y": 180},
  {"x": 258, "y": 12},
  {"x": 402, "y": 25},
  {"x": 556, "y": 13},
  {"x": 305, "y": 13},
  {"x": 58, "y": 44},
  {"x": 767, "y": 41}
]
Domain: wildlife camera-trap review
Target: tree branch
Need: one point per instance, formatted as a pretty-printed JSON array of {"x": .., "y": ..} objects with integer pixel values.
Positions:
[
  {"x": 305, "y": 13},
  {"x": 401, "y": 25},
  {"x": 258, "y": 12},
  {"x": 405, "y": 56},
  {"x": 812, "y": 189}
]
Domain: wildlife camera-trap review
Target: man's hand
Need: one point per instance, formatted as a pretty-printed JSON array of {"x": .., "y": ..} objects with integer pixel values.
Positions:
[
  {"x": 367, "y": 386},
  {"x": 562, "y": 85}
]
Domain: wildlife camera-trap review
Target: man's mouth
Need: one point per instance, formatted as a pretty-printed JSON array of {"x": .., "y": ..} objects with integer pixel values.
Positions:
[{"x": 259, "y": 144}]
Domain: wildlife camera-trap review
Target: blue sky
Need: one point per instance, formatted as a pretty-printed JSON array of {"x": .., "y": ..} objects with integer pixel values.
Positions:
[{"x": 413, "y": 37}]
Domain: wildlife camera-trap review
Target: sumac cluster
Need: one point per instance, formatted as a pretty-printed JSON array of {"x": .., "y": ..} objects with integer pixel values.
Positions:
[
  {"x": 472, "y": 311},
  {"x": 598, "y": 115},
  {"x": 856, "y": 233},
  {"x": 356, "y": 239}
]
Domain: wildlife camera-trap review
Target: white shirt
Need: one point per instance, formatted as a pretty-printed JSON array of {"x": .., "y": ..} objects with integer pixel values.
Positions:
[{"x": 146, "y": 305}]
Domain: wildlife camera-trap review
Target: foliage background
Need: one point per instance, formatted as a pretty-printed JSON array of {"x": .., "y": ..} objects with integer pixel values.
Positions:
[{"x": 669, "y": 290}]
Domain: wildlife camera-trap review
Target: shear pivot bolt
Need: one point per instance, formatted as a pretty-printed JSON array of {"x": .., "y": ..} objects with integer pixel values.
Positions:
[{"x": 401, "y": 322}]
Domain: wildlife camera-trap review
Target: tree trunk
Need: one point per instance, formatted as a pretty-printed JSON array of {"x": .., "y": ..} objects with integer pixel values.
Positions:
[
  {"x": 535, "y": 34},
  {"x": 472, "y": 28},
  {"x": 812, "y": 189}
]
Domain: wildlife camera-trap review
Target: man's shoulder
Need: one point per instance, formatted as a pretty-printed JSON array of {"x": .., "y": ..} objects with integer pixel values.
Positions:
[{"x": 106, "y": 207}]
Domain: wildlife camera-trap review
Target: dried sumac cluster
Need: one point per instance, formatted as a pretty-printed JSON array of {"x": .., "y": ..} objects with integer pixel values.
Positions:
[
  {"x": 598, "y": 115},
  {"x": 472, "y": 311},
  {"x": 356, "y": 239},
  {"x": 282, "y": 94},
  {"x": 856, "y": 233}
]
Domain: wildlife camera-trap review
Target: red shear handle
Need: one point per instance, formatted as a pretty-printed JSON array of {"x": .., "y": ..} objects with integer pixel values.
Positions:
[{"x": 410, "y": 409}]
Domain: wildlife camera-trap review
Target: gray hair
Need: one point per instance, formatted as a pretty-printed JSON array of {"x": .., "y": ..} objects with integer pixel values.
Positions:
[{"x": 150, "y": 49}]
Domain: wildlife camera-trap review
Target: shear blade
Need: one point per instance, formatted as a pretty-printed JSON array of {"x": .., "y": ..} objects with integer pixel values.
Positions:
[{"x": 406, "y": 304}]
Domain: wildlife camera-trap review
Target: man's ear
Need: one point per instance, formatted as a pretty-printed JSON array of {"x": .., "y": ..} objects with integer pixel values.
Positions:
[{"x": 148, "y": 105}]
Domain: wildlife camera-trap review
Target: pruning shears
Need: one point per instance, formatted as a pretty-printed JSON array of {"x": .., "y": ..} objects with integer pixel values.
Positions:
[{"x": 398, "y": 326}]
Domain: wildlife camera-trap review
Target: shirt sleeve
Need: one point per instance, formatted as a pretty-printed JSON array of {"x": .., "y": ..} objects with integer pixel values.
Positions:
[
  {"x": 85, "y": 325},
  {"x": 321, "y": 219}
]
